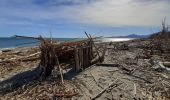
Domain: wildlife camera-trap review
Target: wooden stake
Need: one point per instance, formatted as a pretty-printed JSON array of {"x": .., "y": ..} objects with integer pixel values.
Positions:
[
  {"x": 61, "y": 74},
  {"x": 134, "y": 92},
  {"x": 91, "y": 39},
  {"x": 77, "y": 60}
]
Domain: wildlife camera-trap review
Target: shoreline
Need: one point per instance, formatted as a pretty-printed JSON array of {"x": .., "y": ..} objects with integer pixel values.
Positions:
[
  {"x": 16, "y": 48},
  {"x": 100, "y": 40}
]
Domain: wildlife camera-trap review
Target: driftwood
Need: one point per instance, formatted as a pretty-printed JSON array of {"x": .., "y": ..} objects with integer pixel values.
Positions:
[
  {"x": 95, "y": 60},
  {"x": 65, "y": 51},
  {"x": 61, "y": 74},
  {"x": 82, "y": 57},
  {"x": 30, "y": 59},
  {"x": 99, "y": 58},
  {"x": 21, "y": 58},
  {"x": 81, "y": 52},
  {"x": 77, "y": 67},
  {"x": 109, "y": 65},
  {"x": 95, "y": 80},
  {"x": 66, "y": 95},
  {"x": 91, "y": 39},
  {"x": 161, "y": 65},
  {"x": 51, "y": 53},
  {"x": 113, "y": 85}
]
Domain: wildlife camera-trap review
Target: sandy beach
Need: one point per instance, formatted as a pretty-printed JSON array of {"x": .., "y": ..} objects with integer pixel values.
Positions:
[
  {"x": 127, "y": 72},
  {"x": 84, "y": 50}
]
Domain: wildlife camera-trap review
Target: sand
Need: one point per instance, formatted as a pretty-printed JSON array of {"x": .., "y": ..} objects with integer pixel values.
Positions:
[{"x": 129, "y": 71}]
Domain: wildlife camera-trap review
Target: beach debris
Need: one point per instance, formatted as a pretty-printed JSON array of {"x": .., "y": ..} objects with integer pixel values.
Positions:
[
  {"x": 81, "y": 52},
  {"x": 161, "y": 65},
  {"x": 25, "y": 58},
  {"x": 131, "y": 62},
  {"x": 110, "y": 87},
  {"x": 45, "y": 91},
  {"x": 51, "y": 52}
]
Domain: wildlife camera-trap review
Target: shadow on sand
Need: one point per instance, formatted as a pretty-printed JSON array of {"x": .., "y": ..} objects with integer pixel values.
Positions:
[{"x": 19, "y": 80}]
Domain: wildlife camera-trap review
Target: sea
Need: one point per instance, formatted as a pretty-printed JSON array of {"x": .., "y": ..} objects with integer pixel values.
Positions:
[{"x": 11, "y": 42}]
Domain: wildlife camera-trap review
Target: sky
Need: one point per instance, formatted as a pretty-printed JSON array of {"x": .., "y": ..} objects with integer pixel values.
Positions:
[{"x": 70, "y": 18}]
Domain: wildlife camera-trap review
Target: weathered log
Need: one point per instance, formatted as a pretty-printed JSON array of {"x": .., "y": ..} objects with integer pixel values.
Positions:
[
  {"x": 76, "y": 57},
  {"x": 161, "y": 65},
  {"x": 95, "y": 60},
  {"x": 81, "y": 58},
  {"x": 30, "y": 59},
  {"x": 113, "y": 85},
  {"x": 99, "y": 58},
  {"x": 109, "y": 65}
]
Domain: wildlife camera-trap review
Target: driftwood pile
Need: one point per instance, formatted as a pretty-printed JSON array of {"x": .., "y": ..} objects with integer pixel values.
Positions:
[
  {"x": 52, "y": 53},
  {"x": 81, "y": 54}
]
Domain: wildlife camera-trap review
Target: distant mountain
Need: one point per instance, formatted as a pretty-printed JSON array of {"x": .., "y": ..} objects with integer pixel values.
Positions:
[
  {"x": 160, "y": 35},
  {"x": 132, "y": 36},
  {"x": 137, "y": 36}
]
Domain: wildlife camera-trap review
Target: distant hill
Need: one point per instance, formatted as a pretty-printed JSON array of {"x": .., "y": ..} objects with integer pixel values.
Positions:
[
  {"x": 137, "y": 36},
  {"x": 132, "y": 36},
  {"x": 160, "y": 35}
]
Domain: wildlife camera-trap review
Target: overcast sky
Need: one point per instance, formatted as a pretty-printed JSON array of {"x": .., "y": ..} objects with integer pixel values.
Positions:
[{"x": 70, "y": 18}]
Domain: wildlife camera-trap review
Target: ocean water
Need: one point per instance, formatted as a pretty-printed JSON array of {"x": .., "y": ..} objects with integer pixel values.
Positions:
[
  {"x": 6, "y": 43},
  {"x": 16, "y": 42}
]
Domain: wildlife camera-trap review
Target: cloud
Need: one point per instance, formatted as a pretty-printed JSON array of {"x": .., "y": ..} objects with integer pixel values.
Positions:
[
  {"x": 125, "y": 13},
  {"x": 111, "y": 13}
]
